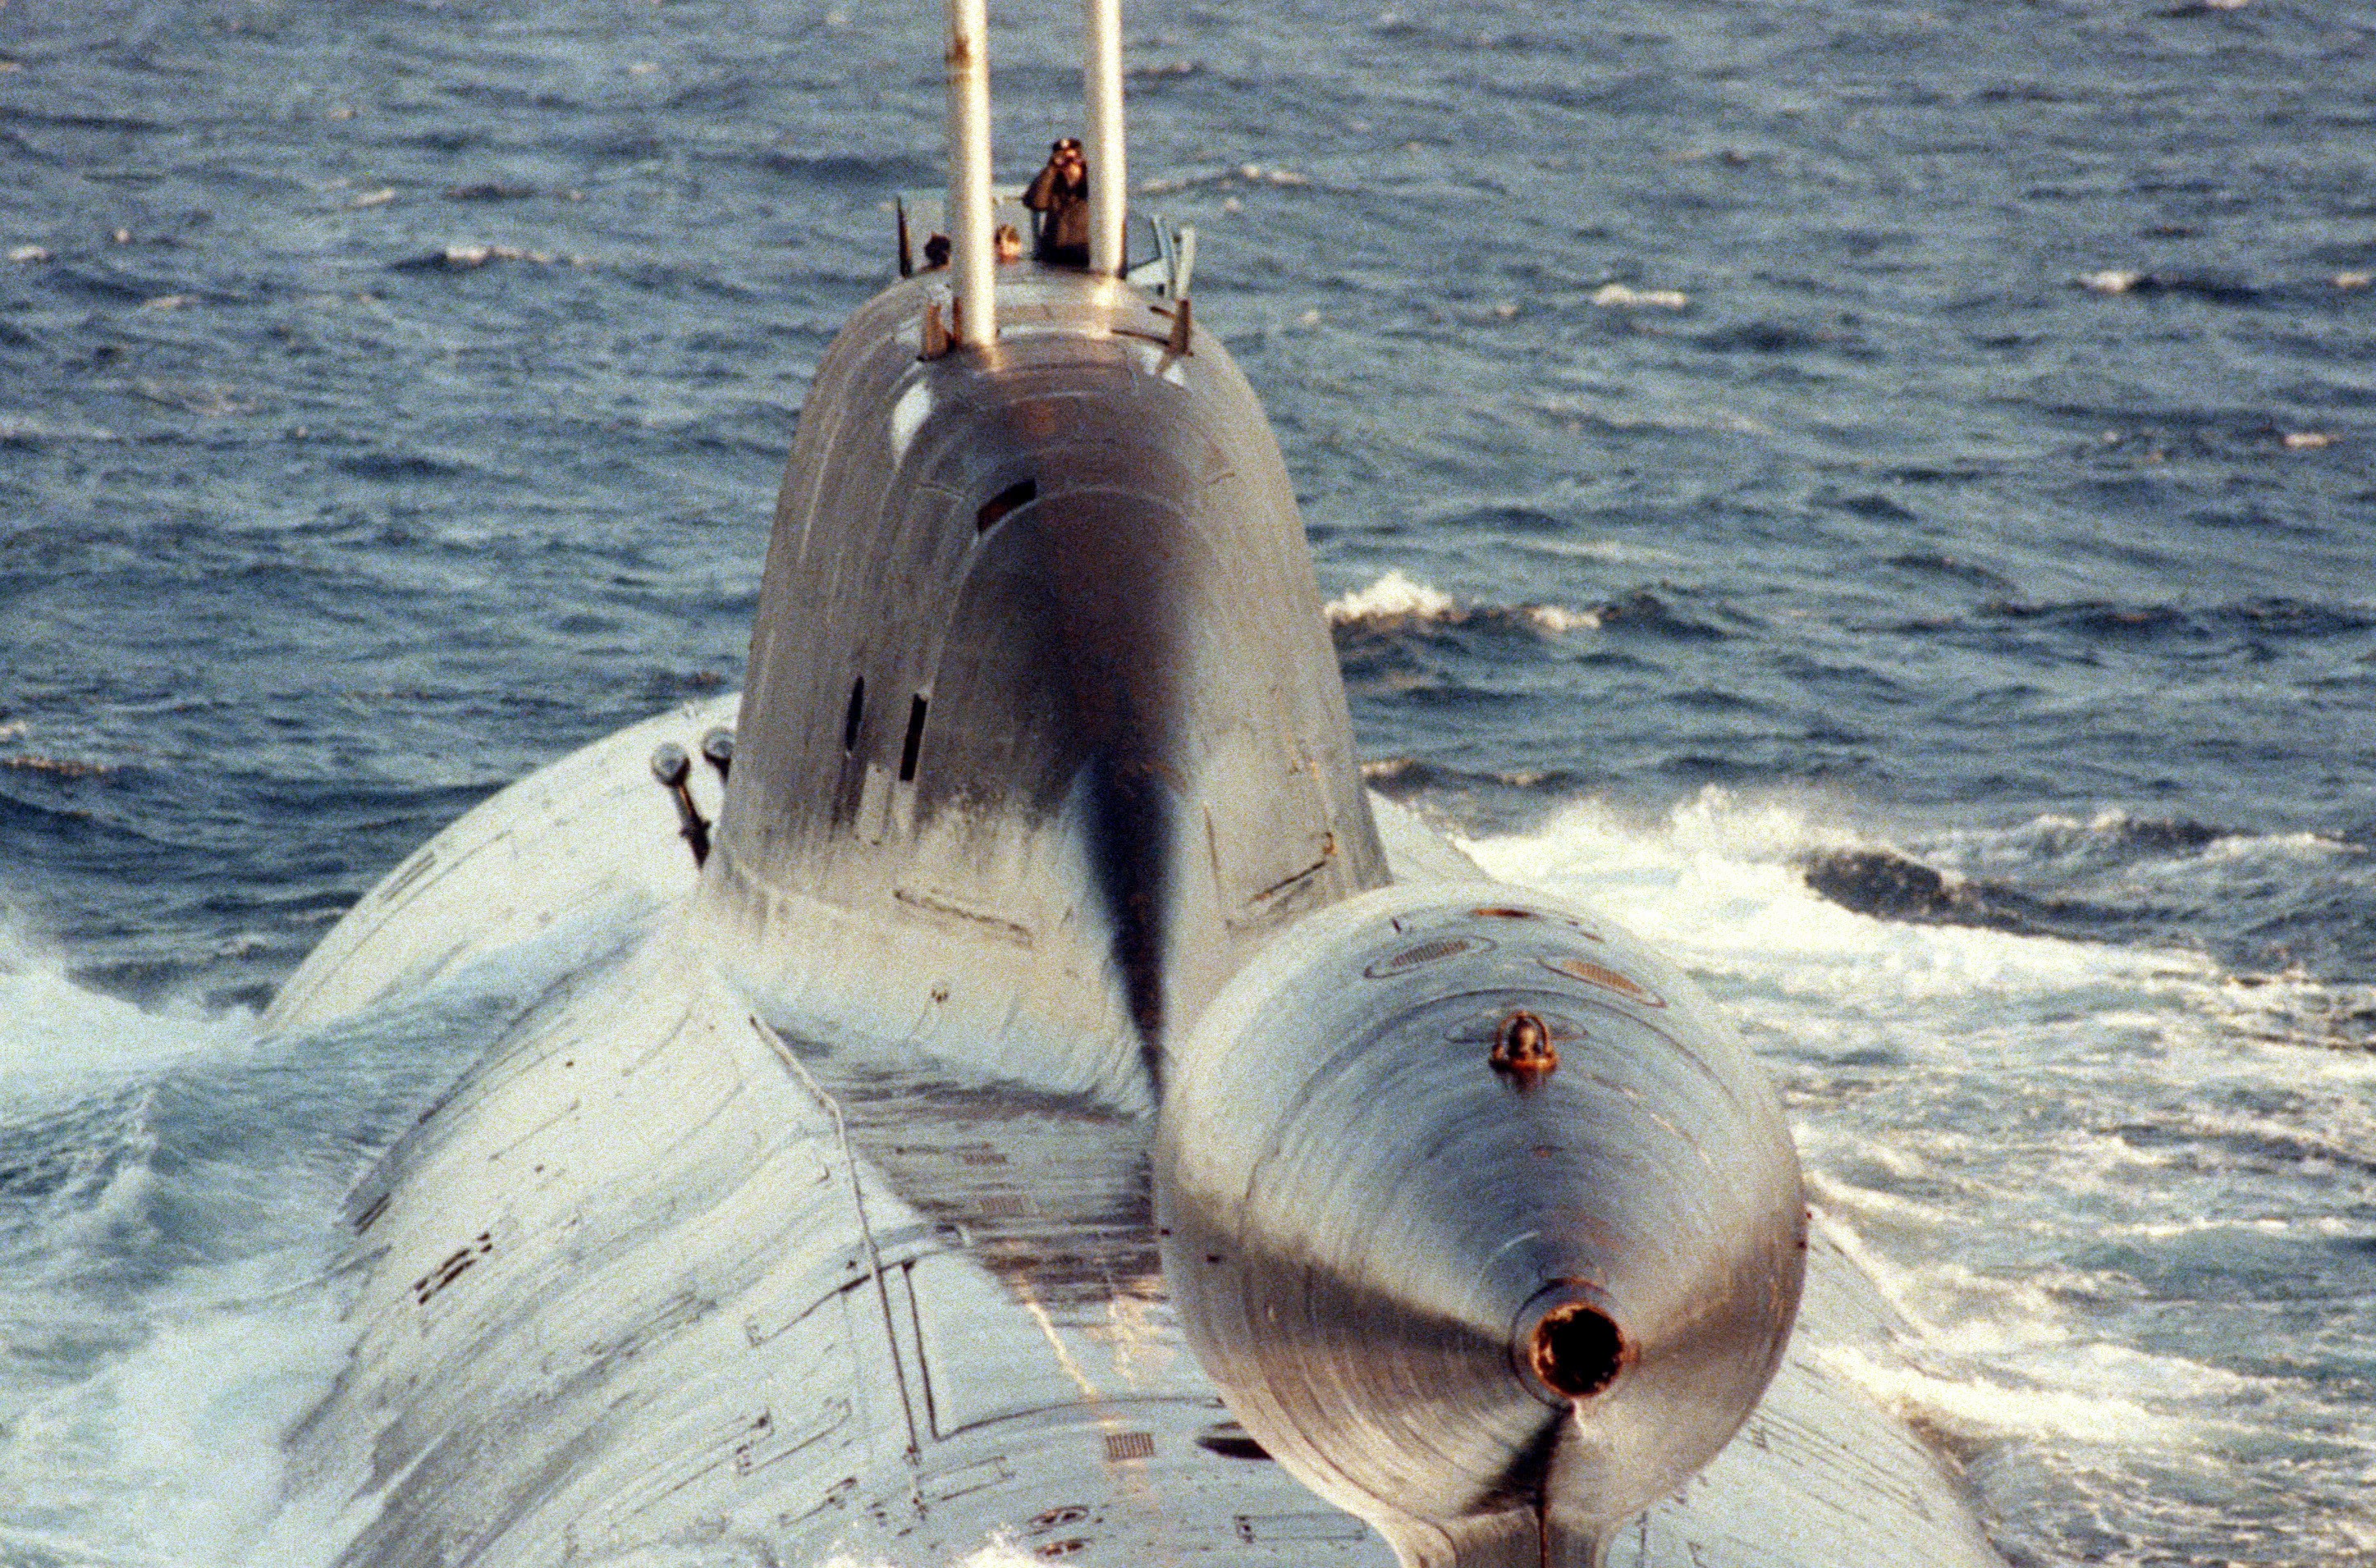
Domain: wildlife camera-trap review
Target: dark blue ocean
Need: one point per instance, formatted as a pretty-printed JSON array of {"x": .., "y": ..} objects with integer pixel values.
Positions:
[{"x": 1879, "y": 497}]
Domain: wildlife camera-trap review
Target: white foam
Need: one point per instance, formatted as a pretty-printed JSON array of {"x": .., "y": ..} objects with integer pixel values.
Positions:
[
  {"x": 1981, "y": 1409},
  {"x": 1396, "y": 597},
  {"x": 2114, "y": 823},
  {"x": 55, "y": 1033},
  {"x": 1719, "y": 884},
  {"x": 42, "y": 427},
  {"x": 1870, "y": 1204},
  {"x": 2275, "y": 846},
  {"x": 1612, "y": 295},
  {"x": 1612, "y": 549},
  {"x": 170, "y": 1451},
  {"x": 173, "y": 1319},
  {"x": 201, "y": 1411},
  {"x": 1552, "y": 618},
  {"x": 1392, "y": 597}
]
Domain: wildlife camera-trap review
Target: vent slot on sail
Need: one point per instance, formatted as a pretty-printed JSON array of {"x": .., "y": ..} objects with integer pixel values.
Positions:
[
  {"x": 915, "y": 739},
  {"x": 850, "y": 720},
  {"x": 1012, "y": 498}
]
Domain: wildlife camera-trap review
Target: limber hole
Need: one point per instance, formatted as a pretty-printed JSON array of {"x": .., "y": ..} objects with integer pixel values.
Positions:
[
  {"x": 850, "y": 720},
  {"x": 1230, "y": 1441},
  {"x": 915, "y": 739},
  {"x": 1012, "y": 498},
  {"x": 1578, "y": 1350}
]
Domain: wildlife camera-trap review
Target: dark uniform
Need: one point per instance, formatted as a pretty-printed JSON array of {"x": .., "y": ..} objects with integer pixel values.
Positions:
[{"x": 1060, "y": 195}]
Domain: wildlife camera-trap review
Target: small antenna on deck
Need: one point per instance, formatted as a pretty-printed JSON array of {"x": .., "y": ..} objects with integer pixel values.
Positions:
[
  {"x": 972, "y": 263},
  {"x": 1108, "y": 161}
]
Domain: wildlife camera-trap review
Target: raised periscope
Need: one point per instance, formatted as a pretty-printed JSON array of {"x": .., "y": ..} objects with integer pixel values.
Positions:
[{"x": 1483, "y": 1222}]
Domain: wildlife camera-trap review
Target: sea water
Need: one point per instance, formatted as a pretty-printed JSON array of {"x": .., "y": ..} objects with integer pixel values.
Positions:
[{"x": 1877, "y": 497}]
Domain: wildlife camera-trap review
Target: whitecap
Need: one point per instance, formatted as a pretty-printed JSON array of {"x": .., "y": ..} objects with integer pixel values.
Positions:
[
  {"x": 1392, "y": 597},
  {"x": 1987, "y": 1408},
  {"x": 1612, "y": 295}
]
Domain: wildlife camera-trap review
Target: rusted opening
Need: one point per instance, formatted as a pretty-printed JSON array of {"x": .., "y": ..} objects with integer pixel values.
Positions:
[
  {"x": 1012, "y": 498},
  {"x": 1576, "y": 1351},
  {"x": 856, "y": 711},
  {"x": 1502, "y": 913},
  {"x": 915, "y": 739}
]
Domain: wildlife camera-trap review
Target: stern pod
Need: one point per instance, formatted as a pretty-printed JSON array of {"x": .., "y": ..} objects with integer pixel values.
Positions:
[{"x": 1481, "y": 1220}]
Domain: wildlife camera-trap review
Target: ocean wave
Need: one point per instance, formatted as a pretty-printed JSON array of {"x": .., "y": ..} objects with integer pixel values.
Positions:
[
  {"x": 866, "y": 175},
  {"x": 1643, "y": 611},
  {"x": 2215, "y": 289},
  {"x": 1893, "y": 886},
  {"x": 1225, "y": 176},
  {"x": 1611, "y": 296},
  {"x": 1936, "y": 564},
  {"x": 34, "y": 430},
  {"x": 1721, "y": 879},
  {"x": 471, "y": 257},
  {"x": 2120, "y": 832},
  {"x": 2108, "y": 621},
  {"x": 58, "y": 767},
  {"x": 1987, "y": 1408},
  {"x": 58, "y": 1037},
  {"x": 2115, "y": 877},
  {"x": 1399, "y": 777}
]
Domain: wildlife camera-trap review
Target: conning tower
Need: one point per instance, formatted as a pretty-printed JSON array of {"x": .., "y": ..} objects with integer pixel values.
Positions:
[{"x": 1041, "y": 698}]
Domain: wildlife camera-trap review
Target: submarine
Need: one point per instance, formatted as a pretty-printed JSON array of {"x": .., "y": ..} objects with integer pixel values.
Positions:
[{"x": 999, "y": 1087}]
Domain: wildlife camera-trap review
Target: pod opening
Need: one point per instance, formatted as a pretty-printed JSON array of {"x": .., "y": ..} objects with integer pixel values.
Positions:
[{"x": 1576, "y": 1351}]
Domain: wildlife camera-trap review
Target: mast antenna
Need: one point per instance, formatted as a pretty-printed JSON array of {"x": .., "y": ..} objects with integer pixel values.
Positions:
[
  {"x": 1108, "y": 158},
  {"x": 972, "y": 262}
]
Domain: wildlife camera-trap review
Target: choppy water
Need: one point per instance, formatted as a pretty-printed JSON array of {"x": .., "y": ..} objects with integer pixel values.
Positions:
[{"x": 1921, "y": 453}]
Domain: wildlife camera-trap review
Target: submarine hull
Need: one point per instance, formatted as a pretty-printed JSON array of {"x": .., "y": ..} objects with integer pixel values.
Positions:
[
  {"x": 810, "y": 1202},
  {"x": 671, "y": 1350}
]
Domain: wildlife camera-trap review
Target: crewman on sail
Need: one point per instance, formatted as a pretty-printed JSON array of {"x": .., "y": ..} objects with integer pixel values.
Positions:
[{"x": 1059, "y": 194}]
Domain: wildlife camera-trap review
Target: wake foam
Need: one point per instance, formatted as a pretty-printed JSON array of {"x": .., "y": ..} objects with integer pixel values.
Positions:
[{"x": 163, "y": 1291}]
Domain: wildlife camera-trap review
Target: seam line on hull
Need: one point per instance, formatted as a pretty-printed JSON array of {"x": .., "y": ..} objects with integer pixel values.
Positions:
[{"x": 832, "y": 1108}]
